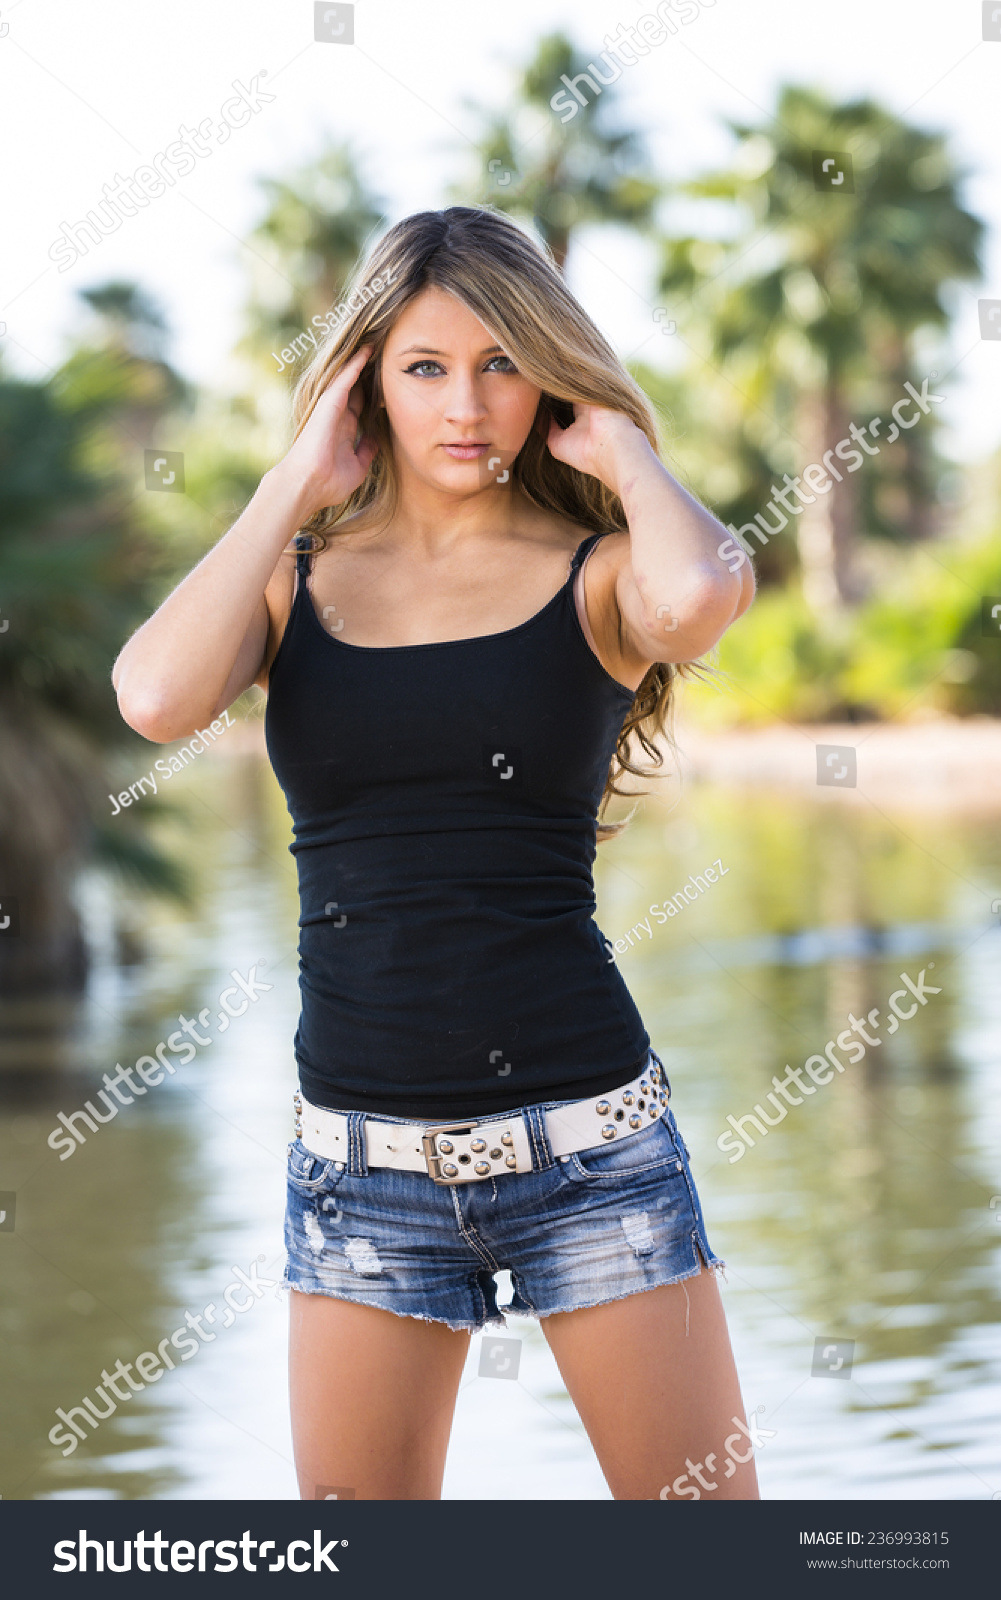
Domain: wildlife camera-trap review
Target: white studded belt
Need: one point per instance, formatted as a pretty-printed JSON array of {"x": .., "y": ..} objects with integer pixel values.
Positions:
[{"x": 488, "y": 1147}]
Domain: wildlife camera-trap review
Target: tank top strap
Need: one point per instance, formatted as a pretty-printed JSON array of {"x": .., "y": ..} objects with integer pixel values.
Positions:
[
  {"x": 582, "y": 552},
  {"x": 304, "y": 556}
]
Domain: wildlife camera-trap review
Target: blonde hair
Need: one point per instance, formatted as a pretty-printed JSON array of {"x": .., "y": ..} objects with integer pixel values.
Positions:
[{"x": 511, "y": 284}]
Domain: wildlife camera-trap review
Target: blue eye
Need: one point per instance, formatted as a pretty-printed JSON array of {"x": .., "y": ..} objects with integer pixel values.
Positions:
[{"x": 420, "y": 368}]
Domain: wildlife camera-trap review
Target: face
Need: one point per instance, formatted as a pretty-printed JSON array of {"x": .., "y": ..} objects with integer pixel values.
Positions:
[{"x": 455, "y": 402}]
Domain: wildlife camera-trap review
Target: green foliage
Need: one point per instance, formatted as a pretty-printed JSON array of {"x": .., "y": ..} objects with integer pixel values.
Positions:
[
  {"x": 76, "y": 574},
  {"x": 70, "y": 568},
  {"x": 837, "y": 268},
  {"x": 317, "y": 223},
  {"x": 914, "y": 648},
  {"x": 562, "y": 175},
  {"x": 802, "y": 307},
  {"x": 227, "y": 448}
]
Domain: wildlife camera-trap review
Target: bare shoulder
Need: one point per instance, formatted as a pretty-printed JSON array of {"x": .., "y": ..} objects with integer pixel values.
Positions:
[
  {"x": 603, "y": 562},
  {"x": 281, "y": 589},
  {"x": 351, "y": 538},
  {"x": 349, "y": 531},
  {"x": 553, "y": 531}
]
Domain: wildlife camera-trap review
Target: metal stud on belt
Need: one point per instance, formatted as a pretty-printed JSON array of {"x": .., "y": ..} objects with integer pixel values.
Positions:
[
  {"x": 652, "y": 1098},
  {"x": 437, "y": 1146}
]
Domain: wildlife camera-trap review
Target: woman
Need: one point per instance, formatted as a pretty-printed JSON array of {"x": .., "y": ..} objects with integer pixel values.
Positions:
[{"x": 497, "y": 579}]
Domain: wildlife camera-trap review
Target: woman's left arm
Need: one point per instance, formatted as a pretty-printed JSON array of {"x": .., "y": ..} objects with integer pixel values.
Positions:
[{"x": 674, "y": 594}]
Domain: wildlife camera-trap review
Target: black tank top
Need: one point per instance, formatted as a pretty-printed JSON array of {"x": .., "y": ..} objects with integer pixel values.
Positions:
[{"x": 444, "y": 799}]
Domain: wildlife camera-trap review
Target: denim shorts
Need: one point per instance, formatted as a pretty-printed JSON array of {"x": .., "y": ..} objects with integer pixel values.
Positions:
[{"x": 577, "y": 1231}]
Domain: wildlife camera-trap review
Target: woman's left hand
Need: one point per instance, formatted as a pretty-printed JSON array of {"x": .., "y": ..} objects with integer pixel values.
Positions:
[
  {"x": 600, "y": 442},
  {"x": 669, "y": 594}
]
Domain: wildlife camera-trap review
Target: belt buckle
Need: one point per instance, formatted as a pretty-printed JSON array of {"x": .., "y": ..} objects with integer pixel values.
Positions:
[{"x": 433, "y": 1157}]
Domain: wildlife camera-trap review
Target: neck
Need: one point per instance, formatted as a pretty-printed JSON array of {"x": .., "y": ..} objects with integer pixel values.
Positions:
[{"x": 435, "y": 520}]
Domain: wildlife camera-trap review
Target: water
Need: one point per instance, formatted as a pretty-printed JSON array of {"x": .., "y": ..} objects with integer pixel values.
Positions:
[{"x": 864, "y": 1216}]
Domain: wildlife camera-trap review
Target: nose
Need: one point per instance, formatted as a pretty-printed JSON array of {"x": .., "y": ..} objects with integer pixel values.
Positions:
[{"x": 462, "y": 404}]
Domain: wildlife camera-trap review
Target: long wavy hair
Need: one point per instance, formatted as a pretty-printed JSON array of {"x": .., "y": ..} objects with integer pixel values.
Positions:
[{"x": 513, "y": 286}]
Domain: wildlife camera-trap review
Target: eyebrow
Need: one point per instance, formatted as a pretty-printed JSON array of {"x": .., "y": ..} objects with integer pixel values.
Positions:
[{"x": 426, "y": 350}]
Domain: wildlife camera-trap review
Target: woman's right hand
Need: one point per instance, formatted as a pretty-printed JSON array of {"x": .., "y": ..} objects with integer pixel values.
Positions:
[
  {"x": 209, "y": 639},
  {"x": 324, "y": 464}
]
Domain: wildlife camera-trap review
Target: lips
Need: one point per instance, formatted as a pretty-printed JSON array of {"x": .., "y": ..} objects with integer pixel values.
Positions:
[{"x": 466, "y": 449}]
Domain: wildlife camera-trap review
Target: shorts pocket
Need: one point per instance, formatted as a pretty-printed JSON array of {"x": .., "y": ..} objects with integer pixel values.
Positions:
[
  {"x": 641, "y": 1152},
  {"x": 311, "y": 1174}
]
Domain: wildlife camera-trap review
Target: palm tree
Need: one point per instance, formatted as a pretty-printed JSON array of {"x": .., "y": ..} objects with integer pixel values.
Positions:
[
  {"x": 812, "y": 303},
  {"x": 74, "y": 575},
  {"x": 316, "y": 225},
  {"x": 563, "y": 174}
]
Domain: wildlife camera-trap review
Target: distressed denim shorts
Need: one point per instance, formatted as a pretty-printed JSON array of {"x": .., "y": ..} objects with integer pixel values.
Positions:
[{"x": 581, "y": 1230}]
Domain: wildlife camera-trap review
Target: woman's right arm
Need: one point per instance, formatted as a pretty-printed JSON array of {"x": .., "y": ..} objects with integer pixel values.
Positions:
[{"x": 208, "y": 641}]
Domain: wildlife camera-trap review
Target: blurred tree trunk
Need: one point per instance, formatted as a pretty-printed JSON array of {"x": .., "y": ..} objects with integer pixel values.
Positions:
[
  {"x": 43, "y": 819},
  {"x": 826, "y": 530}
]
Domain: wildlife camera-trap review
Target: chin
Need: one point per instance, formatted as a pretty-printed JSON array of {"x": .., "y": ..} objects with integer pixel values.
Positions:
[{"x": 454, "y": 477}]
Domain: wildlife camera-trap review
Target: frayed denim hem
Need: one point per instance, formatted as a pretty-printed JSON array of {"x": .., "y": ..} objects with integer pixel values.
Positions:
[{"x": 285, "y": 1288}]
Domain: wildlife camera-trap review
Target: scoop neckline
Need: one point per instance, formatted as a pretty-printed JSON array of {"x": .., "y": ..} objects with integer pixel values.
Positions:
[
  {"x": 475, "y": 638},
  {"x": 435, "y": 644}
]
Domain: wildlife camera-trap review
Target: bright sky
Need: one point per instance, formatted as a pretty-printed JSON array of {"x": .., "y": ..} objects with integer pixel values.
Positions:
[{"x": 91, "y": 92}]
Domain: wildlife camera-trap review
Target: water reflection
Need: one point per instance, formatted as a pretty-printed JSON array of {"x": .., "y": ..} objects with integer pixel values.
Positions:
[
  {"x": 862, "y": 1218},
  {"x": 865, "y": 1214}
]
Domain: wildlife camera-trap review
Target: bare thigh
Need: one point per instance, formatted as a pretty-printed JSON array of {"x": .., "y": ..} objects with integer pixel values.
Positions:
[
  {"x": 373, "y": 1396},
  {"x": 653, "y": 1379}
]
